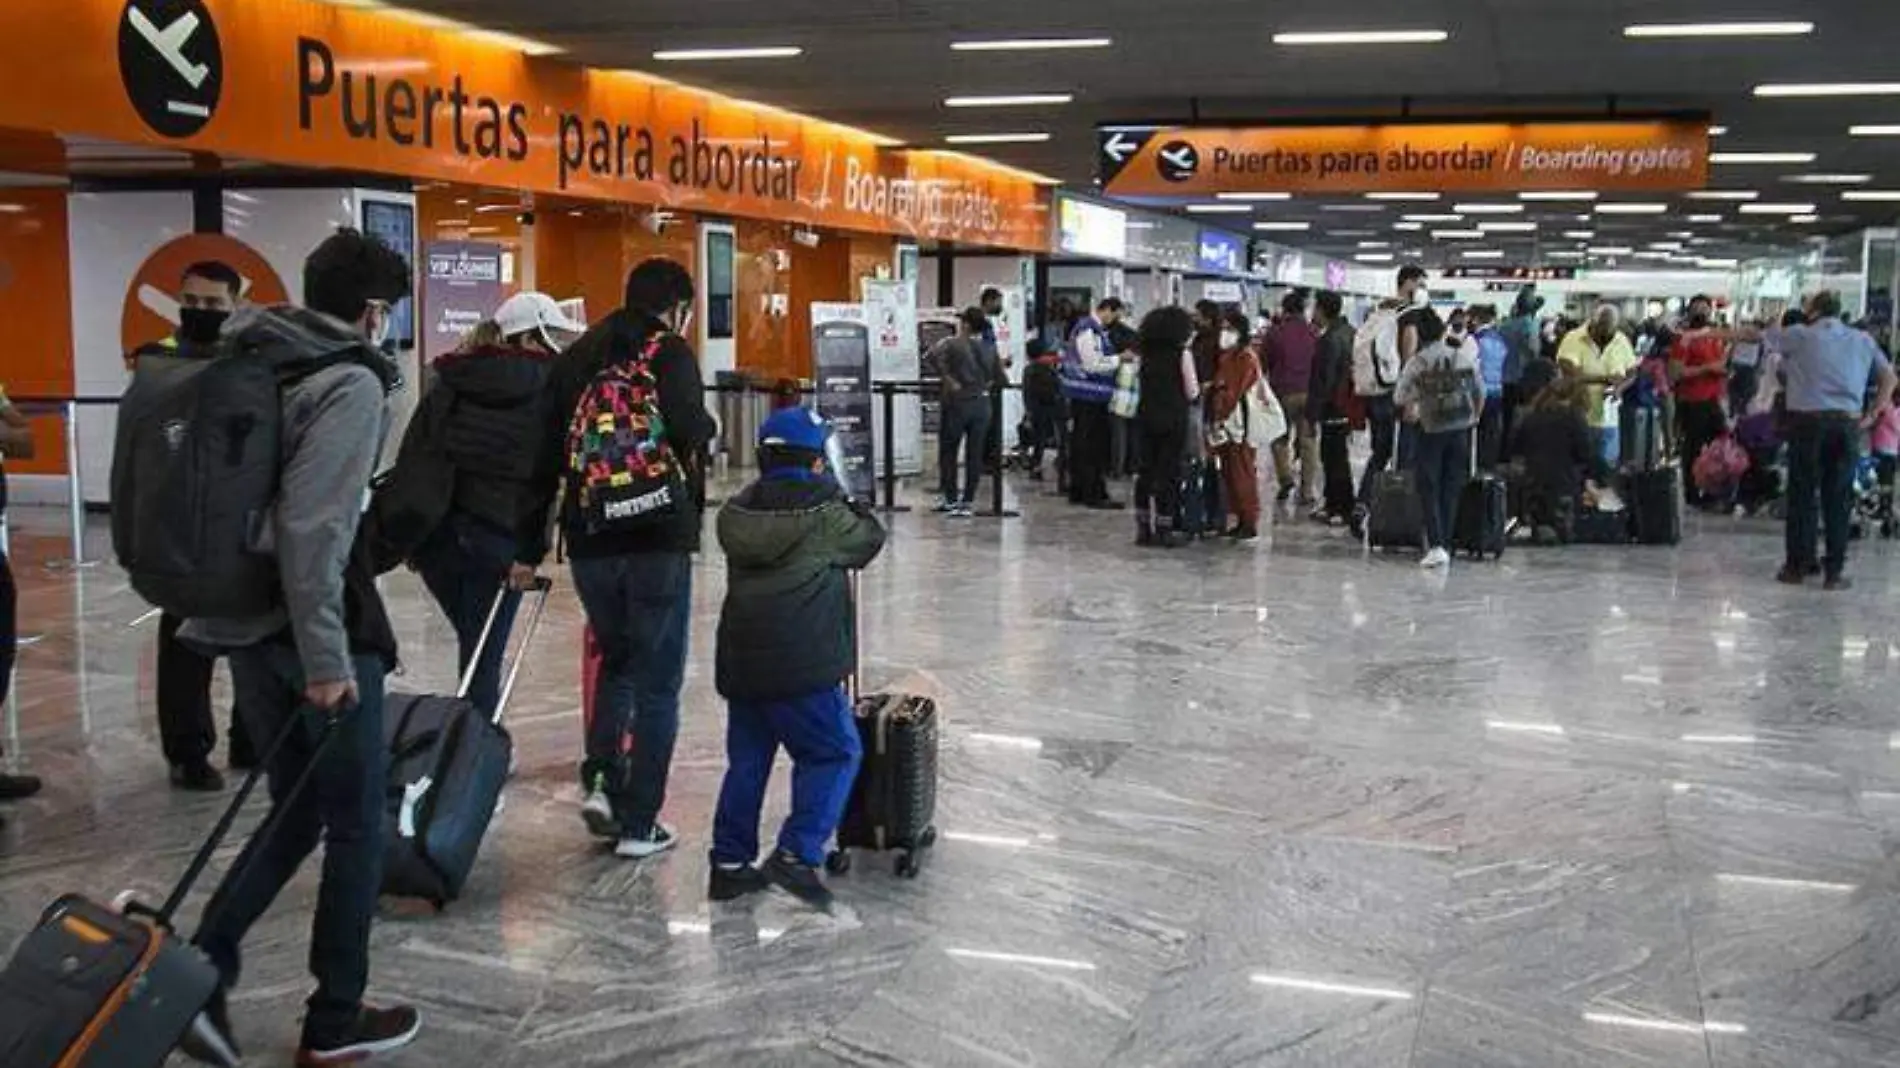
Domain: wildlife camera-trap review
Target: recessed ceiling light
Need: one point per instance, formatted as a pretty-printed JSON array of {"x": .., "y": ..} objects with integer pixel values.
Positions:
[
  {"x": 1703, "y": 218},
  {"x": 1483, "y": 254},
  {"x": 996, "y": 139},
  {"x": 1666, "y": 246},
  {"x": 1402, "y": 196},
  {"x": 1408, "y": 226},
  {"x": 1433, "y": 218},
  {"x": 1351, "y": 37},
  {"x": 1017, "y": 100},
  {"x": 1218, "y": 209},
  {"x": 1284, "y": 226},
  {"x": 689, "y": 55},
  {"x": 1580, "y": 235},
  {"x": 1783, "y": 209},
  {"x": 1458, "y": 235},
  {"x": 1559, "y": 195},
  {"x": 1871, "y": 194},
  {"x": 1375, "y": 244},
  {"x": 1829, "y": 179},
  {"x": 1651, "y": 254},
  {"x": 1719, "y": 29},
  {"x": 1632, "y": 209},
  {"x": 1724, "y": 194},
  {"x": 1830, "y": 89},
  {"x": 1507, "y": 227},
  {"x": 1710, "y": 261},
  {"x": 1682, "y": 235},
  {"x": 1253, "y": 196},
  {"x": 1611, "y": 250},
  {"x": 1804, "y": 218},
  {"x": 1490, "y": 209},
  {"x": 1353, "y": 233},
  {"x": 1717, "y": 131},
  {"x": 1761, "y": 157},
  {"x": 1878, "y": 129},
  {"x": 1374, "y": 257},
  {"x": 1030, "y": 44},
  {"x": 1352, "y": 207}
]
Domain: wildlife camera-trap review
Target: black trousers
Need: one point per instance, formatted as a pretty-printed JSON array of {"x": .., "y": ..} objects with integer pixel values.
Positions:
[
  {"x": 1088, "y": 453},
  {"x": 1158, "y": 480},
  {"x": 186, "y": 727},
  {"x": 1045, "y": 426},
  {"x": 1700, "y": 423},
  {"x": 1335, "y": 459},
  {"x": 1823, "y": 450},
  {"x": 1383, "y": 418},
  {"x": 965, "y": 429}
]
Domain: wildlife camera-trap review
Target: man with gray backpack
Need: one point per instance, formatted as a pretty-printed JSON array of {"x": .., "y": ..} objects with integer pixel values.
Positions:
[{"x": 237, "y": 488}]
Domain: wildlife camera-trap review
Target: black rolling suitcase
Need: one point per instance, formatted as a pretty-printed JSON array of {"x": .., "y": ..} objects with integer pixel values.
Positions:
[
  {"x": 1482, "y": 526},
  {"x": 447, "y": 765},
  {"x": 1396, "y": 514},
  {"x": 93, "y": 986},
  {"x": 893, "y": 802},
  {"x": 1656, "y": 504}
]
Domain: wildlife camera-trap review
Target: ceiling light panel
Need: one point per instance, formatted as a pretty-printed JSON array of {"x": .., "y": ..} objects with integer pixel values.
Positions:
[
  {"x": 1632, "y": 209},
  {"x": 695, "y": 55},
  {"x": 1830, "y": 89},
  {"x": 1878, "y": 129},
  {"x": 1402, "y": 196},
  {"x": 1766, "y": 208},
  {"x": 1761, "y": 157},
  {"x": 1489, "y": 209},
  {"x": 1218, "y": 209},
  {"x": 1719, "y": 29},
  {"x": 1724, "y": 194},
  {"x": 1282, "y": 227},
  {"x": 1014, "y": 100},
  {"x": 1829, "y": 179},
  {"x": 1358, "y": 37},
  {"x": 1032, "y": 44},
  {"x": 1871, "y": 194},
  {"x": 1556, "y": 196},
  {"x": 1253, "y": 196},
  {"x": 997, "y": 139}
]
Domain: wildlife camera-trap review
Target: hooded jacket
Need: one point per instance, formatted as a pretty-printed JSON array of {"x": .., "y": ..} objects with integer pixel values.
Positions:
[
  {"x": 788, "y": 628},
  {"x": 490, "y": 427}
]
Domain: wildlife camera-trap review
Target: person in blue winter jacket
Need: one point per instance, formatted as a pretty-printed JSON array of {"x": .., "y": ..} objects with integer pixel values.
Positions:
[
  {"x": 787, "y": 641},
  {"x": 1494, "y": 353}
]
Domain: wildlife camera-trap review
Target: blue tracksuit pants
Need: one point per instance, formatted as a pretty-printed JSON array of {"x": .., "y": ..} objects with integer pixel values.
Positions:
[{"x": 818, "y": 732}]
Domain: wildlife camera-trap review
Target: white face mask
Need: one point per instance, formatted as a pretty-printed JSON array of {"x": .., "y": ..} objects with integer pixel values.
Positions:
[{"x": 1229, "y": 339}]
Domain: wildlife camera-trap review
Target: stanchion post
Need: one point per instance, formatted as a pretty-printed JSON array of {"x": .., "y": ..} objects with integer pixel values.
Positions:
[
  {"x": 75, "y": 501},
  {"x": 996, "y": 510},
  {"x": 889, "y": 464}
]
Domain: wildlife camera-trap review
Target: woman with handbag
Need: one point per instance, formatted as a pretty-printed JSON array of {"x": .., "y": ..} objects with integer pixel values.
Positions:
[{"x": 1241, "y": 422}]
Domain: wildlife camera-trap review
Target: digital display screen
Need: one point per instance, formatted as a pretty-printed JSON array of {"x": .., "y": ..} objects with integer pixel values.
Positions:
[
  {"x": 395, "y": 225},
  {"x": 719, "y": 285}
]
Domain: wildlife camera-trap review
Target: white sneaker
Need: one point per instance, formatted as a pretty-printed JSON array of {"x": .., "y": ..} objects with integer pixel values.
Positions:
[
  {"x": 657, "y": 841},
  {"x": 1435, "y": 559},
  {"x": 598, "y": 813}
]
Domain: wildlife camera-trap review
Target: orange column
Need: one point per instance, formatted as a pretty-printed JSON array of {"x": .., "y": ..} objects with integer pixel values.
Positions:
[{"x": 37, "y": 306}]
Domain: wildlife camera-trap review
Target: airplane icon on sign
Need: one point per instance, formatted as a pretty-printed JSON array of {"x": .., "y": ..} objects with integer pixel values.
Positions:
[{"x": 170, "y": 43}]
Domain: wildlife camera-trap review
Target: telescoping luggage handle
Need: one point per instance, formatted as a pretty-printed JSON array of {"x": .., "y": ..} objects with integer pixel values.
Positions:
[{"x": 542, "y": 587}]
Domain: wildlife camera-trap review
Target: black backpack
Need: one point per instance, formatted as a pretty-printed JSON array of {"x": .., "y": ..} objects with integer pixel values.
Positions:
[
  {"x": 409, "y": 501},
  {"x": 197, "y": 460}
]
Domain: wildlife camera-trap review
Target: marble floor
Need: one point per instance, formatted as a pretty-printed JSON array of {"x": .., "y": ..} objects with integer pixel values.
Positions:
[{"x": 1272, "y": 806}]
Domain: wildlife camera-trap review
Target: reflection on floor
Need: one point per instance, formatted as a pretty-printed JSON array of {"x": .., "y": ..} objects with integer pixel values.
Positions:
[{"x": 1223, "y": 806}]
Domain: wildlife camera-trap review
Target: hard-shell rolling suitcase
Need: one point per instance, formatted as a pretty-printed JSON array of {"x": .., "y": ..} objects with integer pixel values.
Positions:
[
  {"x": 448, "y": 763},
  {"x": 93, "y": 986},
  {"x": 893, "y": 803},
  {"x": 1592, "y": 527},
  {"x": 1483, "y": 524},
  {"x": 1193, "y": 518},
  {"x": 1396, "y": 515},
  {"x": 894, "y": 800},
  {"x": 1656, "y": 505}
]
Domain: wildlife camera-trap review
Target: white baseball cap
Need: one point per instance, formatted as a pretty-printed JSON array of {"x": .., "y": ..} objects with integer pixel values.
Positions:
[{"x": 526, "y": 312}]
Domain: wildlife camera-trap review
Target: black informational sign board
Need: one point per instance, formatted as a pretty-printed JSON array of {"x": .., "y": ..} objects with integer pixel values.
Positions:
[
  {"x": 933, "y": 325},
  {"x": 841, "y": 358}
]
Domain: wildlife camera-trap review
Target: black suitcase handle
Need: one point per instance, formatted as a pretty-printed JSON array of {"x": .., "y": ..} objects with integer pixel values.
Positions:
[{"x": 542, "y": 588}]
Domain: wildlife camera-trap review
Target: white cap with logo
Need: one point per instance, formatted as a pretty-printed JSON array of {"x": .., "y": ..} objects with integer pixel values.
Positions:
[{"x": 527, "y": 312}]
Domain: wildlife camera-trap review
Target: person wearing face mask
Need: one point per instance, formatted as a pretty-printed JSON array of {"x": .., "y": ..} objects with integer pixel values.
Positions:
[
  {"x": 1600, "y": 356},
  {"x": 481, "y": 416},
  {"x": 1236, "y": 384},
  {"x": 1441, "y": 395},
  {"x": 188, "y": 734},
  {"x": 325, "y": 647},
  {"x": 634, "y": 579},
  {"x": 1698, "y": 366}
]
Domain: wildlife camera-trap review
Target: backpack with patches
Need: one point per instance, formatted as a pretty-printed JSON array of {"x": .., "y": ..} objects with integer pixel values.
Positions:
[{"x": 624, "y": 473}]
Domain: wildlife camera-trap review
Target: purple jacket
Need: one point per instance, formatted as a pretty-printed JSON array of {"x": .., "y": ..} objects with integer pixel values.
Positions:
[{"x": 1290, "y": 347}]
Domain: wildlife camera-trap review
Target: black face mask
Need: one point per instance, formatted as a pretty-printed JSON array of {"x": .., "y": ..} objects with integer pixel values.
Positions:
[{"x": 201, "y": 326}]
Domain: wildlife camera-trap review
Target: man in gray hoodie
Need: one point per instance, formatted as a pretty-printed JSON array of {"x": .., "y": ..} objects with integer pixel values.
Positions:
[{"x": 325, "y": 650}]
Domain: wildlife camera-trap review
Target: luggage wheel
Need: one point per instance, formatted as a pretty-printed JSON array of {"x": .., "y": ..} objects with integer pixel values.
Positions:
[
  {"x": 909, "y": 865},
  {"x": 838, "y": 862}
]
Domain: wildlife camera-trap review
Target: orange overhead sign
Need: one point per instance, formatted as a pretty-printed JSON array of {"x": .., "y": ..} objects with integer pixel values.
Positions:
[
  {"x": 312, "y": 84},
  {"x": 1647, "y": 156}
]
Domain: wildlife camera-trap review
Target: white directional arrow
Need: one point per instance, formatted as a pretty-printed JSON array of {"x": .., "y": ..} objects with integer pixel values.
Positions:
[{"x": 1119, "y": 148}]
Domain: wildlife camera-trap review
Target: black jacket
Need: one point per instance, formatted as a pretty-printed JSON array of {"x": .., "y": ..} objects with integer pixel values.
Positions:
[
  {"x": 1164, "y": 399},
  {"x": 688, "y": 429},
  {"x": 490, "y": 427},
  {"x": 788, "y": 628},
  {"x": 1332, "y": 372},
  {"x": 1558, "y": 452}
]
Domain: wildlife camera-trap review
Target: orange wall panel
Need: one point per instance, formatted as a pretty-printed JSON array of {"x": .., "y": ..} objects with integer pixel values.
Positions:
[{"x": 36, "y": 304}]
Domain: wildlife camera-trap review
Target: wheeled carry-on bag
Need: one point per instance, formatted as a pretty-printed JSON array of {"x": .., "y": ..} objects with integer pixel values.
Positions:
[
  {"x": 893, "y": 802},
  {"x": 448, "y": 764},
  {"x": 1396, "y": 515},
  {"x": 93, "y": 986},
  {"x": 1482, "y": 527},
  {"x": 1656, "y": 505}
]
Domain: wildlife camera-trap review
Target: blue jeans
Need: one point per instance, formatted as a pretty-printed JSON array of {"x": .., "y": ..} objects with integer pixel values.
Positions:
[
  {"x": 640, "y": 607},
  {"x": 1822, "y": 453},
  {"x": 342, "y": 807},
  {"x": 463, "y": 563},
  {"x": 1441, "y": 463},
  {"x": 1609, "y": 445},
  {"x": 821, "y": 736}
]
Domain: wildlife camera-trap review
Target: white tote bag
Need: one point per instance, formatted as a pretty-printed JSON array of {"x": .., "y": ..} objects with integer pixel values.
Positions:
[{"x": 1266, "y": 419}]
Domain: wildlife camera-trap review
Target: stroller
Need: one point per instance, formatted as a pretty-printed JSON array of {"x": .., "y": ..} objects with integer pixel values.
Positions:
[
  {"x": 1871, "y": 511},
  {"x": 1763, "y": 484}
]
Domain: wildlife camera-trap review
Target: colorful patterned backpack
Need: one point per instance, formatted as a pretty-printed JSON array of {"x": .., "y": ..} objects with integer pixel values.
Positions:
[{"x": 625, "y": 475}]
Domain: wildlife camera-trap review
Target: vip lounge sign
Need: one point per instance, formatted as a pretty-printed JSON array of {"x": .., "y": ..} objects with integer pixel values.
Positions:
[
  {"x": 1609, "y": 155},
  {"x": 305, "y": 83}
]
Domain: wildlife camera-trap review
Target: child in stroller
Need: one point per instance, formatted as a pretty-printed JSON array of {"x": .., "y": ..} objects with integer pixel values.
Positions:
[
  {"x": 1873, "y": 502},
  {"x": 1761, "y": 485}
]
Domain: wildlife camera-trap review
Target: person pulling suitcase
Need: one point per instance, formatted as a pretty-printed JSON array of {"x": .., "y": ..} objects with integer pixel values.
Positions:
[{"x": 787, "y": 642}]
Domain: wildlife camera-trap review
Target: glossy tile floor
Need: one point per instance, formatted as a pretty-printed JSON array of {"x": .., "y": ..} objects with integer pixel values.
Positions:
[{"x": 1281, "y": 806}]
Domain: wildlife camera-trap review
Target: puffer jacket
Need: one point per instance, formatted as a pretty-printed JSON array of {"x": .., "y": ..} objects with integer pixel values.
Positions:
[
  {"x": 491, "y": 426},
  {"x": 788, "y": 629}
]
